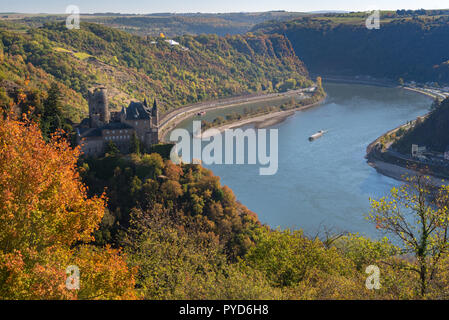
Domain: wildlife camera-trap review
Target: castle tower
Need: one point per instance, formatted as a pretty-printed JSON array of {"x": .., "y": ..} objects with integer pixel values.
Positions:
[
  {"x": 98, "y": 107},
  {"x": 154, "y": 124},
  {"x": 155, "y": 114}
]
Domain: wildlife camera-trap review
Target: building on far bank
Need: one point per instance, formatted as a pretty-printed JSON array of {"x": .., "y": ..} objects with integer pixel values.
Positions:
[
  {"x": 103, "y": 126},
  {"x": 417, "y": 150}
]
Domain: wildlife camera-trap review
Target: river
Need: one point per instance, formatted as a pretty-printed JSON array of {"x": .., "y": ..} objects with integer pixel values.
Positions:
[{"x": 325, "y": 184}]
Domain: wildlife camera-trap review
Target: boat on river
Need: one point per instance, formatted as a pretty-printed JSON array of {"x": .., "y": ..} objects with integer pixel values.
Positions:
[{"x": 317, "y": 135}]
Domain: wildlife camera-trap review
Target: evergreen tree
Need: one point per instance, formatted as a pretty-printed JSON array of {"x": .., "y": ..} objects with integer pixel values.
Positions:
[
  {"x": 52, "y": 118},
  {"x": 112, "y": 149},
  {"x": 135, "y": 144}
]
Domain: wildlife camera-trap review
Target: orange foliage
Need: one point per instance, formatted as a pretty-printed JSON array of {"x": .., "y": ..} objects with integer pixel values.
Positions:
[{"x": 44, "y": 212}]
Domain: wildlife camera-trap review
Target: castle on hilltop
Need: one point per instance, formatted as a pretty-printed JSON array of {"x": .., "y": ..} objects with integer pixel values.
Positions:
[{"x": 103, "y": 126}]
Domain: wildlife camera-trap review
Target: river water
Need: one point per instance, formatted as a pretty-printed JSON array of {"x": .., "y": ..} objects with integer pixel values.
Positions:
[{"x": 325, "y": 184}]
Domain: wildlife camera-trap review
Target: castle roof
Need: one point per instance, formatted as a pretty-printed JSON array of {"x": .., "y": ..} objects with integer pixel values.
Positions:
[{"x": 137, "y": 111}]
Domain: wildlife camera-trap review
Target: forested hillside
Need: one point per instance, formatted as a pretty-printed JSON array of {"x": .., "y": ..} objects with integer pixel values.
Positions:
[
  {"x": 431, "y": 132},
  {"x": 411, "y": 45},
  {"x": 133, "y": 67}
]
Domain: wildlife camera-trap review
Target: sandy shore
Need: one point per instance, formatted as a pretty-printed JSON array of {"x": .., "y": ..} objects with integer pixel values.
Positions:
[
  {"x": 399, "y": 173},
  {"x": 261, "y": 121}
]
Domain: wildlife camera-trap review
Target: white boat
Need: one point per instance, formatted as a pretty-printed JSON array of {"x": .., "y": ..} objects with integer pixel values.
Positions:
[{"x": 317, "y": 135}]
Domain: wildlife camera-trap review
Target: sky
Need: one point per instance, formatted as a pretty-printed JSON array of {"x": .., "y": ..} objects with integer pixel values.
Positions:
[{"x": 179, "y": 6}]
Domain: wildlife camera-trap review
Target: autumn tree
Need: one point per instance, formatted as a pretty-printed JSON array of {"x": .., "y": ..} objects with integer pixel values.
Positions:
[
  {"x": 47, "y": 221},
  {"x": 417, "y": 214}
]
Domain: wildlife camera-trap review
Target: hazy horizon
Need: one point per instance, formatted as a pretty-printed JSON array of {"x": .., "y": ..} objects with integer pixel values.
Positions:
[{"x": 205, "y": 6}]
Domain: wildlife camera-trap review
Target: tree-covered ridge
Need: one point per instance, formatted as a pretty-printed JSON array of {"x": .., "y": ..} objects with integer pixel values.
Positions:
[
  {"x": 171, "y": 24},
  {"x": 432, "y": 131},
  {"x": 133, "y": 67},
  {"x": 188, "y": 195},
  {"x": 410, "y": 45}
]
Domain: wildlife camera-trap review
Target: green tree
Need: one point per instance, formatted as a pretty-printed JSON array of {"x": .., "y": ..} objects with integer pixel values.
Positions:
[
  {"x": 52, "y": 118},
  {"x": 111, "y": 149},
  {"x": 418, "y": 215},
  {"x": 288, "y": 257}
]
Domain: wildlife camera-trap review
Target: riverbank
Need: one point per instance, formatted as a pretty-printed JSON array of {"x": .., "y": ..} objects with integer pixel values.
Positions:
[
  {"x": 260, "y": 121},
  {"x": 173, "y": 118},
  {"x": 400, "y": 173},
  {"x": 359, "y": 80},
  {"x": 433, "y": 95},
  {"x": 396, "y": 165},
  {"x": 170, "y": 120},
  {"x": 431, "y": 92},
  {"x": 263, "y": 121}
]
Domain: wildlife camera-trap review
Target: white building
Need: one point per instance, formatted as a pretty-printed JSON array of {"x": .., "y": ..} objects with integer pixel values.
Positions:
[
  {"x": 417, "y": 151},
  {"x": 172, "y": 42}
]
